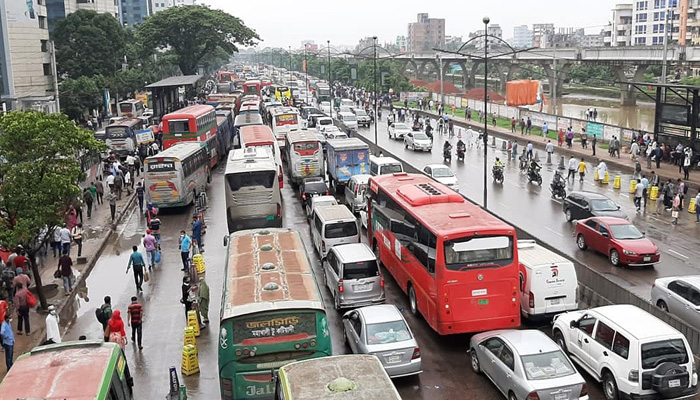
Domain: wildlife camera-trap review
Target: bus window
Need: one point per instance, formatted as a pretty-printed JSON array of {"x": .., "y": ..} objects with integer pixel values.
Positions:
[{"x": 179, "y": 126}]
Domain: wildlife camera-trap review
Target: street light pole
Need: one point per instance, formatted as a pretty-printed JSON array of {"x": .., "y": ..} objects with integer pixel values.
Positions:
[
  {"x": 290, "y": 62},
  {"x": 442, "y": 96},
  {"x": 486, "y": 21},
  {"x": 376, "y": 146},
  {"x": 306, "y": 72},
  {"x": 330, "y": 83}
]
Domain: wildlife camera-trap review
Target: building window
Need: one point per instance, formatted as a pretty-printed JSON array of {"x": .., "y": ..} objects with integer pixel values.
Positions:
[
  {"x": 658, "y": 28},
  {"x": 42, "y": 22},
  {"x": 47, "y": 69},
  {"x": 44, "y": 46},
  {"x": 641, "y": 17},
  {"x": 640, "y": 40},
  {"x": 659, "y": 15},
  {"x": 641, "y": 5},
  {"x": 659, "y": 4},
  {"x": 640, "y": 29}
]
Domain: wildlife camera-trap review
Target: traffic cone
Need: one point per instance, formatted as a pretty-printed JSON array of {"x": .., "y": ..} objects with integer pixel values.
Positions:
[
  {"x": 606, "y": 178},
  {"x": 692, "y": 206},
  {"x": 504, "y": 147},
  {"x": 561, "y": 162},
  {"x": 193, "y": 321},
  {"x": 493, "y": 141},
  {"x": 189, "y": 336},
  {"x": 616, "y": 182},
  {"x": 537, "y": 157},
  {"x": 595, "y": 175},
  {"x": 633, "y": 185},
  {"x": 654, "y": 193},
  {"x": 190, "y": 360}
]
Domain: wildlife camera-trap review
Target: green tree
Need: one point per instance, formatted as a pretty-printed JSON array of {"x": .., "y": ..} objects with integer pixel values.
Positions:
[
  {"x": 38, "y": 177},
  {"x": 88, "y": 43},
  {"x": 80, "y": 95},
  {"x": 193, "y": 32}
]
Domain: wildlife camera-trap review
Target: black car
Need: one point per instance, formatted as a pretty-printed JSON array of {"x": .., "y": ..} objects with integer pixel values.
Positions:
[
  {"x": 582, "y": 205},
  {"x": 311, "y": 187}
]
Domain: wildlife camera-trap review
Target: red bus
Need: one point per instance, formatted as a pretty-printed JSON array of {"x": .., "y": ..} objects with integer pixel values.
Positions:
[
  {"x": 192, "y": 124},
  {"x": 261, "y": 135},
  {"x": 252, "y": 86},
  {"x": 224, "y": 76},
  {"x": 457, "y": 263}
]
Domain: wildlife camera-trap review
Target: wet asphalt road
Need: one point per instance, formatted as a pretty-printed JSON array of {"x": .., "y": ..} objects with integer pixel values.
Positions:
[{"x": 531, "y": 207}]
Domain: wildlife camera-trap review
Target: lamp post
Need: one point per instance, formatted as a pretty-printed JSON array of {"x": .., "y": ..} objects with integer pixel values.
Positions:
[
  {"x": 330, "y": 83},
  {"x": 486, "y": 21},
  {"x": 376, "y": 146},
  {"x": 290, "y": 62},
  {"x": 438, "y": 57},
  {"x": 306, "y": 72}
]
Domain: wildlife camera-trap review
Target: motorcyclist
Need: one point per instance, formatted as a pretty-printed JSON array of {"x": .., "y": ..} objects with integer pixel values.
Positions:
[
  {"x": 461, "y": 145},
  {"x": 558, "y": 179},
  {"x": 429, "y": 129},
  {"x": 447, "y": 148},
  {"x": 534, "y": 167},
  {"x": 498, "y": 163}
]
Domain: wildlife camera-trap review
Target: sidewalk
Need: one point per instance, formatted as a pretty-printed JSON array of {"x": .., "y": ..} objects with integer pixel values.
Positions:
[{"x": 98, "y": 230}]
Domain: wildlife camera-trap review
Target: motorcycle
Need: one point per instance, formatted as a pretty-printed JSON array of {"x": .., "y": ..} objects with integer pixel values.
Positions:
[
  {"x": 558, "y": 188},
  {"x": 447, "y": 155},
  {"x": 497, "y": 172},
  {"x": 533, "y": 175},
  {"x": 460, "y": 153}
]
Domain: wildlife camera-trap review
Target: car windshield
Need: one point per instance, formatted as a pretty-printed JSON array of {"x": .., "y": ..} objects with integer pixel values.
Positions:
[
  {"x": 315, "y": 187},
  {"x": 401, "y": 127},
  {"x": 547, "y": 366},
  {"x": 625, "y": 232},
  {"x": 604, "y": 205},
  {"x": 420, "y": 136},
  {"x": 656, "y": 353},
  {"x": 360, "y": 113},
  {"x": 349, "y": 118},
  {"x": 387, "y": 332},
  {"x": 442, "y": 173}
]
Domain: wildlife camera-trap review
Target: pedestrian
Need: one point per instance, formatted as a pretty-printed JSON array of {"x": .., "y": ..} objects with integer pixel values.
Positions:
[
  {"x": 676, "y": 209},
  {"x": 602, "y": 170},
  {"x": 197, "y": 232},
  {"x": 77, "y": 235},
  {"x": 87, "y": 199},
  {"x": 637, "y": 169},
  {"x": 512, "y": 124},
  {"x": 493, "y": 118},
  {"x": 184, "y": 246},
  {"x": 65, "y": 271},
  {"x": 203, "y": 299},
  {"x": 560, "y": 137},
  {"x": 99, "y": 191},
  {"x": 136, "y": 259},
  {"x": 522, "y": 126},
  {"x": 509, "y": 149},
  {"x": 65, "y": 239},
  {"x": 582, "y": 170},
  {"x": 112, "y": 200},
  {"x": 56, "y": 241},
  {"x": 550, "y": 149},
  {"x": 21, "y": 303},
  {"x": 569, "y": 137},
  {"x": 140, "y": 191},
  {"x": 645, "y": 184},
  {"x": 545, "y": 129},
  {"x": 127, "y": 182},
  {"x": 151, "y": 246},
  {"x": 103, "y": 314},
  {"x": 686, "y": 166},
  {"x": 515, "y": 149},
  {"x": 53, "y": 333},
  {"x": 135, "y": 321},
  {"x": 118, "y": 185},
  {"x": 21, "y": 261},
  {"x": 595, "y": 114},
  {"x": 584, "y": 138},
  {"x": 186, "y": 294},
  {"x": 638, "y": 193},
  {"x": 455, "y": 108},
  {"x": 682, "y": 191},
  {"x": 154, "y": 225},
  {"x": 594, "y": 141},
  {"x": 529, "y": 125},
  {"x": 661, "y": 200},
  {"x": 572, "y": 168},
  {"x": 529, "y": 150},
  {"x": 658, "y": 156},
  {"x": 697, "y": 207},
  {"x": 115, "y": 329},
  {"x": 20, "y": 279},
  {"x": 110, "y": 181},
  {"x": 8, "y": 340}
]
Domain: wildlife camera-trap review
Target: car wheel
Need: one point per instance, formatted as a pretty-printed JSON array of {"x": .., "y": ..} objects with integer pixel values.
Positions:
[
  {"x": 569, "y": 215},
  {"x": 581, "y": 242},
  {"x": 614, "y": 257},
  {"x": 559, "y": 340},
  {"x": 336, "y": 302},
  {"x": 511, "y": 396},
  {"x": 662, "y": 305},
  {"x": 610, "y": 387},
  {"x": 412, "y": 300},
  {"x": 405, "y": 144},
  {"x": 476, "y": 367}
]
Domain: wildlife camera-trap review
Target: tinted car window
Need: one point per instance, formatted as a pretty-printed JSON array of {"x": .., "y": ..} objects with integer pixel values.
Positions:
[
  {"x": 340, "y": 229},
  {"x": 679, "y": 288},
  {"x": 695, "y": 297},
  {"x": 591, "y": 224},
  {"x": 604, "y": 335},
  {"x": 360, "y": 270},
  {"x": 621, "y": 346},
  {"x": 507, "y": 357},
  {"x": 586, "y": 324},
  {"x": 603, "y": 230},
  {"x": 656, "y": 353}
]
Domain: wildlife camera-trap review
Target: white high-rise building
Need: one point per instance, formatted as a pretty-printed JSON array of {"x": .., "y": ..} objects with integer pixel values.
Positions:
[
  {"x": 649, "y": 21},
  {"x": 619, "y": 32},
  {"x": 522, "y": 37},
  {"x": 160, "y": 5}
]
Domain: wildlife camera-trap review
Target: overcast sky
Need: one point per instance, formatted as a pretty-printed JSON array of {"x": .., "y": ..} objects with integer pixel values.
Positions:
[{"x": 286, "y": 23}]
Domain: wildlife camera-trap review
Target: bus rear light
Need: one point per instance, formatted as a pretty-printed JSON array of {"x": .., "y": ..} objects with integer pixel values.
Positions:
[
  {"x": 246, "y": 352},
  {"x": 313, "y": 343},
  {"x": 584, "y": 390},
  {"x": 341, "y": 289},
  {"x": 238, "y": 352},
  {"x": 305, "y": 345},
  {"x": 416, "y": 353},
  {"x": 297, "y": 346},
  {"x": 531, "y": 300}
]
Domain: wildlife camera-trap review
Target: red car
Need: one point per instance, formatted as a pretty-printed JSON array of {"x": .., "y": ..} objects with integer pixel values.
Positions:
[{"x": 616, "y": 237}]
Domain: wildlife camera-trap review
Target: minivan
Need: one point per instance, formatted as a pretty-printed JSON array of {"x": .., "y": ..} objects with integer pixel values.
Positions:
[
  {"x": 348, "y": 119},
  {"x": 384, "y": 165},
  {"x": 355, "y": 192},
  {"x": 333, "y": 225},
  {"x": 351, "y": 273},
  {"x": 548, "y": 282}
]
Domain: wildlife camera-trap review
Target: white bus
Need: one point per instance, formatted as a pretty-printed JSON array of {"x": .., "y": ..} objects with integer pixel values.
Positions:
[
  {"x": 283, "y": 120},
  {"x": 176, "y": 176},
  {"x": 253, "y": 198},
  {"x": 120, "y": 137},
  {"x": 131, "y": 108},
  {"x": 304, "y": 156}
]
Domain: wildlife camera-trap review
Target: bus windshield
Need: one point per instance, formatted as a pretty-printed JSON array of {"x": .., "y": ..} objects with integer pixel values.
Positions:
[
  {"x": 116, "y": 131},
  {"x": 475, "y": 251},
  {"x": 248, "y": 179},
  {"x": 179, "y": 125}
]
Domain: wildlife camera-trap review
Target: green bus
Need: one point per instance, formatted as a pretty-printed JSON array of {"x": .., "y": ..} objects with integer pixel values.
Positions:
[
  {"x": 71, "y": 370},
  {"x": 272, "y": 312}
]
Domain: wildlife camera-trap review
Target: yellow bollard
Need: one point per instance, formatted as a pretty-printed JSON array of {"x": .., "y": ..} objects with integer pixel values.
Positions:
[
  {"x": 654, "y": 193},
  {"x": 633, "y": 185},
  {"x": 616, "y": 182},
  {"x": 190, "y": 360},
  {"x": 189, "y": 336},
  {"x": 606, "y": 178},
  {"x": 692, "y": 207},
  {"x": 193, "y": 321},
  {"x": 595, "y": 175}
]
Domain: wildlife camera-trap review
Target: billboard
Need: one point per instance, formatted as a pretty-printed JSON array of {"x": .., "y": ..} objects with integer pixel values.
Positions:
[{"x": 21, "y": 12}]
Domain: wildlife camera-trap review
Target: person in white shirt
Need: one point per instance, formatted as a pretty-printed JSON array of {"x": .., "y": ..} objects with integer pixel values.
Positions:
[
  {"x": 53, "y": 332},
  {"x": 572, "y": 168},
  {"x": 110, "y": 182},
  {"x": 65, "y": 239},
  {"x": 127, "y": 182},
  {"x": 602, "y": 169},
  {"x": 130, "y": 160}
]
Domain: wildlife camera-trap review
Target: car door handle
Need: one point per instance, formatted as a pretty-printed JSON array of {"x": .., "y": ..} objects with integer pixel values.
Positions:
[
  {"x": 507, "y": 376},
  {"x": 585, "y": 340},
  {"x": 605, "y": 353},
  {"x": 356, "y": 341},
  {"x": 493, "y": 361}
]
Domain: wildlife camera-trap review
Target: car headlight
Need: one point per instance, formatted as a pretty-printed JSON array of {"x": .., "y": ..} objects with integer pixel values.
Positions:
[{"x": 629, "y": 253}]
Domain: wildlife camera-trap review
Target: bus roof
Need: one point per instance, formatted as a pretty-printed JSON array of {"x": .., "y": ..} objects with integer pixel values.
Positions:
[
  {"x": 312, "y": 379},
  {"x": 189, "y": 112},
  {"x": 179, "y": 150},
  {"x": 125, "y": 122},
  {"x": 438, "y": 207},
  {"x": 257, "y": 134},
  {"x": 70, "y": 370},
  {"x": 130, "y": 101},
  {"x": 283, "y": 110},
  {"x": 248, "y": 119},
  {"x": 301, "y": 136},
  {"x": 267, "y": 270}
]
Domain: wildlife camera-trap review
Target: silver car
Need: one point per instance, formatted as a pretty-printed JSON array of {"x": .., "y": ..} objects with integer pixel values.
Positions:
[
  {"x": 680, "y": 296},
  {"x": 398, "y": 130},
  {"x": 417, "y": 141},
  {"x": 526, "y": 364},
  {"x": 382, "y": 331},
  {"x": 351, "y": 273}
]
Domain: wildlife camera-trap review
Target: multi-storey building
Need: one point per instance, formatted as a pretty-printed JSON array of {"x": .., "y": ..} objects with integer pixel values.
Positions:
[
  {"x": 160, "y": 5},
  {"x": 58, "y": 9},
  {"x": 426, "y": 34},
  {"x": 522, "y": 37},
  {"x": 134, "y": 12},
  {"x": 619, "y": 32}
]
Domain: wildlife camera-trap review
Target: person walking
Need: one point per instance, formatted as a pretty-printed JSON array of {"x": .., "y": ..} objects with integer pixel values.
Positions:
[
  {"x": 529, "y": 150},
  {"x": 135, "y": 321},
  {"x": 697, "y": 207},
  {"x": 103, "y": 314},
  {"x": 65, "y": 270},
  {"x": 88, "y": 199},
  {"x": 136, "y": 259},
  {"x": 118, "y": 185},
  {"x": 112, "y": 200},
  {"x": 550, "y": 149},
  {"x": 127, "y": 181},
  {"x": 582, "y": 169},
  {"x": 512, "y": 124},
  {"x": 203, "y": 299},
  {"x": 572, "y": 168},
  {"x": 140, "y": 191},
  {"x": 151, "y": 246},
  {"x": 56, "y": 241},
  {"x": 686, "y": 166},
  {"x": 661, "y": 199},
  {"x": 22, "y": 305},
  {"x": 545, "y": 129},
  {"x": 197, "y": 232},
  {"x": 77, "y": 235},
  {"x": 53, "y": 333},
  {"x": 184, "y": 246},
  {"x": 645, "y": 183},
  {"x": 515, "y": 149},
  {"x": 8, "y": 340},
  {"x": 682, "y": 191},
  {"x": 676, "y": 209},
  {"x": 186, "y": 297},
  {"x": 65, "y": 239},
  {"x": 115, "y": 329},
  {"x": 584, "y": 138},
  {"x": 594, "y": 141},
  {"x": 99, "y": 191},
  {"x": 638, "y": 193}
]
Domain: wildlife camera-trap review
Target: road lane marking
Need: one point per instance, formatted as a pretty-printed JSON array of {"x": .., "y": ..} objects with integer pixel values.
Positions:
[
  {"x": 557, "y": 201},
  {"x": 504, "y": 204},
  {"x": 553, "y": 231},
  {"x": 677, "y": 254}
]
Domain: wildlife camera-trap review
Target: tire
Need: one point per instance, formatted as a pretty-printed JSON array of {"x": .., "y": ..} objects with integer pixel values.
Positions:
[
  {"x": 614, "y": 258},
  {"x": 581, "y": 242},
  {"x": 662, "y": 305},
  {"x": 610, "y": 387},
  {"x": 336, "y": 303},
  {"x": 559, "y": 340},
  {"x": 405, "y": 144},
  {"x": 511, "y": 396},
  {"x": 412, "y": 301},
  {"x": 539, "y": 180},
  {"x": 569, "y": 214},
  {"x": 476, "y": 365}
]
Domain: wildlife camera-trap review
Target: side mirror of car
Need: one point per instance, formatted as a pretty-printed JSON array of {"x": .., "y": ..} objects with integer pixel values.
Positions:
[
  {"x": 618, "y": 207},
  {"x": 225, "y": 240},
  {"x": 573, "y": 324},
  {"x": 606, "y": 234}
]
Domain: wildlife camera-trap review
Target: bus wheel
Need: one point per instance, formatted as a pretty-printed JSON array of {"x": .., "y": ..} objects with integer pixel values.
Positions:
[{"x": 412, "y": 300}]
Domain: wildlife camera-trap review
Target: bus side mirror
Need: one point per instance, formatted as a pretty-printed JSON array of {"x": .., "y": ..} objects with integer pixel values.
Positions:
[{"x": 225, "y": 241}]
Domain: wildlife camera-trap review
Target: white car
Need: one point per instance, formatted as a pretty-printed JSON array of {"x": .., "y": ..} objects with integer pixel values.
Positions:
[
  {"x": 398, "y": 130},
  {"x": 680, "y": 296},
  {"x": 417, "y": 141},
  {"x": 325, "y": 107},
  {"x": 442, "y": 174}
]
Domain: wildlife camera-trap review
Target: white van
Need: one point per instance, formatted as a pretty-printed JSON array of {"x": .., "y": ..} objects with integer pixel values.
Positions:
[
  {"x": 384, "y": 165},
  {"x": 331, "y": 226},
  {"x": 348, "y": 119},
  {"x": 355, "y": 192},
  {"x": 548, "y": 282}
]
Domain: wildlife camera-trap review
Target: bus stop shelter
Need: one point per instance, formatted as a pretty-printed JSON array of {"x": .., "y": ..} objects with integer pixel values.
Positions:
[{"x": 165, "y": 93}]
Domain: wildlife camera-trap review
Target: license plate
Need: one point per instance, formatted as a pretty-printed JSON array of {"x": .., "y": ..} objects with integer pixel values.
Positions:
[
  {"x": 393, "y": 359},
  {"x": 647, "y": 258},
  {"x": 561, "y": 396},
  {"x": 554, "y": 301},
  {"x": 674, "y": 383},
  {"x": 270, "y": 217},
  {"x": 361, "y": 288},
  {"x": 483, "y": 302}
]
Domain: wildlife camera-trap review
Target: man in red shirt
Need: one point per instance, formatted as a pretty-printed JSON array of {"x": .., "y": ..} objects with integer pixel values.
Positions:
[
  {"x": 21, "y": 261},
  {"x": 135, "y": 320}
]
